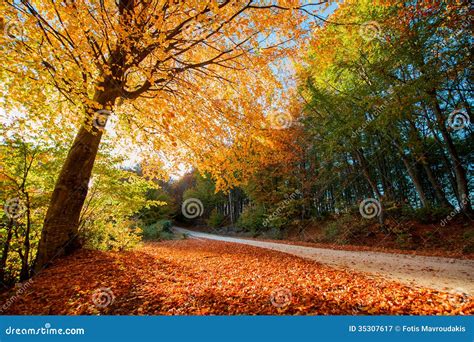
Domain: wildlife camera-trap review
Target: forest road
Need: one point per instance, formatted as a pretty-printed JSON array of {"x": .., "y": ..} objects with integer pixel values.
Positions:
[{"x": 444, "y": 274}]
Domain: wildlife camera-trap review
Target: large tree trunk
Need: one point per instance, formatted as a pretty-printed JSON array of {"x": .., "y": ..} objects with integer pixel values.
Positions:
[{"x": 60, "y": 230}]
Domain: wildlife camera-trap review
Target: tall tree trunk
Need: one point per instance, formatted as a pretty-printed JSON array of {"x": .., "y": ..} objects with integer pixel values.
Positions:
[
  {"x": 6, "y": 249},
  {"x": 449, "y": 174},
  {"x": 459, "y": 171},
  {"x": 416, "y": 180},
  {"x": 439, "y": 193},
  {"x": 412, "y": 172},
  {"x": 365, "y": 169},
  {"x": 25, "y": 266},
  {"x": 385, "y": 179},
  {"x": 60, "y": 230},
  {"x": 59, "y": 236},
  {"x": 231, "y": 208},
  {"x": 424, "y": 160}
]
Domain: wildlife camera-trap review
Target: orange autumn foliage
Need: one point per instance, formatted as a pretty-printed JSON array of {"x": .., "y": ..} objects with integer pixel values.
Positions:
[
  {"x": 191, "y": 277},
  {"x": 190, "y": 82}
]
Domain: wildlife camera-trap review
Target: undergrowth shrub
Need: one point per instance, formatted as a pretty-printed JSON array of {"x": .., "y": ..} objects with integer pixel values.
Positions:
[
  {"x": 215, "y": 219},
  {"x": 112, "y": 236},
  {"x": 252, "y": 218},
  {"x": 344, "y": 229},
  {"x": 160, "y": 230}
]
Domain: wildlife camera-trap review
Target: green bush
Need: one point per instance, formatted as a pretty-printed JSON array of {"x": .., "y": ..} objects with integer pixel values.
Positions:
[
  {"x": 426, "y": 214},
  {"x": 344, "y": 229},
  {"x": 252, "y": 218},
  {"x": 274, "y": 234},
  {"x": 431, "y": 215},
  {"x": 215, "y": 219},
  {"x": 331, "y": 231},
  {"x": 112, "y": 236},
  {"x": 160, "y": 230},
  {"x": 404, "y": 240},
  {"x": 468, "y": 242},
  {"x": 276, "y": 222},
  {"x": 166, "y": 225}
]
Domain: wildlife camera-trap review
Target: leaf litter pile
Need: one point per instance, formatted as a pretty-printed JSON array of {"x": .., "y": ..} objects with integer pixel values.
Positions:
[{"x": 198, "y": 277}]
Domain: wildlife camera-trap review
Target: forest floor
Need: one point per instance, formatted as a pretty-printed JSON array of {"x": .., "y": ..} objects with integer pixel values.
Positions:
[
  {"x": 203, "y": 277},
  {"x": 446, "y": 274}
]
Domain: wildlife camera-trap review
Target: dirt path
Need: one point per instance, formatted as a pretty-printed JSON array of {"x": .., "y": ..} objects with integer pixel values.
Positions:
[{"x": 439, "y": 273}]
